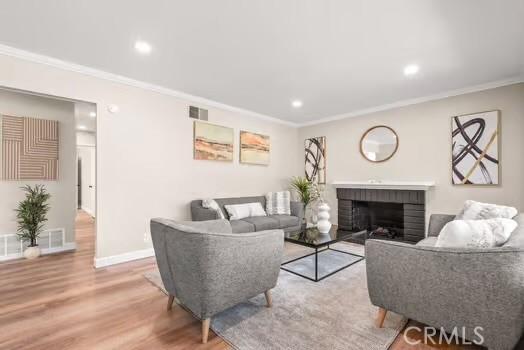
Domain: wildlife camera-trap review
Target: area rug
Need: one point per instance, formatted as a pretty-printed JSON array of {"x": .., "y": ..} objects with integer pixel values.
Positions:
[{"x": 334, "y": 313}]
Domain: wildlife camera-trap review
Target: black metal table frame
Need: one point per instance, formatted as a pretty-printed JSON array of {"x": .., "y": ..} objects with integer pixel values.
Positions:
[{"x": 317, "y": 251}]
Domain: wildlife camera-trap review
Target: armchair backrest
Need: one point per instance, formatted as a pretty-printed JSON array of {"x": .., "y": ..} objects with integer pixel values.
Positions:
[{"x": 177, "y": 251}]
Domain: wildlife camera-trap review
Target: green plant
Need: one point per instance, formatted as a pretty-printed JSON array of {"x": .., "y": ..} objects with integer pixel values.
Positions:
[
  {"x": 305, "y": 189},
  {"x": 31, "y": 213}
]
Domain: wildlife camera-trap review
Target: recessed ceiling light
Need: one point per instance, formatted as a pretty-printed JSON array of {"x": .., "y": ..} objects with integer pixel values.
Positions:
[
  {"x": 411, "y": 69},
  {"x": 143, "y": 47},
  {"x": 82, "y": 127},
  {"x": 92, "y": 114},
  {"x": 296, "y": 103}
]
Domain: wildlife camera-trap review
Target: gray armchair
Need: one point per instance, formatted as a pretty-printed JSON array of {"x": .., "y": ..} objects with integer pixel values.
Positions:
[
  {"x": 210, "y": 269},
  {"x": 447, "y": 288}
]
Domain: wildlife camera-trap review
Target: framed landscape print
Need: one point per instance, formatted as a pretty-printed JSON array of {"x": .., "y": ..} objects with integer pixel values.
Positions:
[
  {"x": 254, "y": 148},
  {"x": 315, "y": 159},
  {"x": 475, "y": 149},
  {"x": 212, "y": 142}
]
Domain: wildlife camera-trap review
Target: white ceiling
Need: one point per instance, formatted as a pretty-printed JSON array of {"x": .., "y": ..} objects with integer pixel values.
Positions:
[{"x": 337, "y": 56}]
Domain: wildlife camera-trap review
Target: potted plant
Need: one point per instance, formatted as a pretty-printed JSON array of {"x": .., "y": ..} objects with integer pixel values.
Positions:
[
  {"x": 31, "y": 215},
  {"x": 306, "y": 190}
]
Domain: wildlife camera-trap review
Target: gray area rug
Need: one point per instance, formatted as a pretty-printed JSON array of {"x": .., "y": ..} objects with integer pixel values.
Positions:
[{"x": 334, "y": 313}]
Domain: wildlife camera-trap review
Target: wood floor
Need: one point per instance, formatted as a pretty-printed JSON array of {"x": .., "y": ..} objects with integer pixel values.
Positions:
[{"x": 61, "y": 302}]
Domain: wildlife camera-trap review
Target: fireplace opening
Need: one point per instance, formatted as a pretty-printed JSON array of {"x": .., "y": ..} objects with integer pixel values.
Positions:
[
  {"x": 381, "y": 214},
  {"x": 379, "y": 219}
]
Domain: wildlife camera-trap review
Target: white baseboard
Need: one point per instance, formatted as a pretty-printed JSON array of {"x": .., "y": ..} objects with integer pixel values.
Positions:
[
  {"x": 67, "y": 247},
  {"x": 122, "y": 258}
]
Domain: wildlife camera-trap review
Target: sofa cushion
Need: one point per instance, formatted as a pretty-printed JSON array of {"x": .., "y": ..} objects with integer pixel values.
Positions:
[
  {"x": 427, "y": 242},
  {"x": 262, "y": 222},
  {"x": 239, "y": 200},
  {"x": 278, "y": 203},
  {"x": 516, "y": 240},
  {"x": 482, "y": 211},
  {"x": 285, "y": 220},
  {"x": 476, "y": 233},
  {"x": 241, "y": 226}
]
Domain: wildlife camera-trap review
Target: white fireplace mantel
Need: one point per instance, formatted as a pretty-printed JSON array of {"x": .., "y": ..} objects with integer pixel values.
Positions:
[{"x": 386, "y": 185}]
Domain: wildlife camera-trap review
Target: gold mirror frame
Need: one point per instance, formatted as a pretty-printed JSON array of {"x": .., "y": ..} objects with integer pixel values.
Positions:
[{"x": 364, "y": 136}]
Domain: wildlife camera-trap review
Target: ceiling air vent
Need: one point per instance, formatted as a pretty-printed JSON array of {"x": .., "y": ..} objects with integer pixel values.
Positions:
[{"x": 197, "y": 113}]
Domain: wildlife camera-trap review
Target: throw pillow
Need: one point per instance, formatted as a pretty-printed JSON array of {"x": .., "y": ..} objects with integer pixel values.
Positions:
[
  {"x": 241, "y": 211},
  {"x": 473, "y": 210},
  {"x": 212, "y": 204},
  {"x": 476, "y": 233},
  {"x": 278, "y": 203}
]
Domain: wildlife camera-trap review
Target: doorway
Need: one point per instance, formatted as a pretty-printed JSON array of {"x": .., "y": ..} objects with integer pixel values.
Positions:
[{"x": 85, "y": 117}]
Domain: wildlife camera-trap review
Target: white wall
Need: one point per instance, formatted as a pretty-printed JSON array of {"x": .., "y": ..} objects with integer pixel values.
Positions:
[
  {"x": 84, "y": 138},
  {"x": 424, "y": 152},
  {"x": 145, "y": 153},
  {"x": 63, "y": 207}
]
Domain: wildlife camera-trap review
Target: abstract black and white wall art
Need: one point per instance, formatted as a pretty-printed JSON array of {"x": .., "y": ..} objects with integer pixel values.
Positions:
[
  {"x": 315, "y": 157},
  {"x": 475, "y": 149}
]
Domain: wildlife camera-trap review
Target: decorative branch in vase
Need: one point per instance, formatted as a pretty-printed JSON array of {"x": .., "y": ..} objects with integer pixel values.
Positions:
[{"x": 31, "y": 215}]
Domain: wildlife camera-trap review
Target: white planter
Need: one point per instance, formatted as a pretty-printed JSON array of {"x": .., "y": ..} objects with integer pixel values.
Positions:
[
  {"x": 323, "y": 223},
  {"x": 32, "y": 252}
]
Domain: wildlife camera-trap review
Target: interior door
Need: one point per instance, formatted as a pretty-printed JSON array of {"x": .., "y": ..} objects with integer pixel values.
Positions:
[
  {"x": 92, "y": 178},
  {"x": 86, "y": 156}
]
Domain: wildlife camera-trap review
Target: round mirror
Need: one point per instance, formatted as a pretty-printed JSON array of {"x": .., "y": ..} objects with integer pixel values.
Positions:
[{"x": 379, "y": 143}]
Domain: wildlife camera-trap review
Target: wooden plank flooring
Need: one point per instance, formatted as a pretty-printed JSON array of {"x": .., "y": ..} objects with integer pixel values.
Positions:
[{"x": 61, "y": 302}]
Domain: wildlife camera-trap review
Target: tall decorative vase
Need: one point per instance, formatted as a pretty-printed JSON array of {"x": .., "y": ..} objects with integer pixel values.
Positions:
[{"x": 323, "y": 224}]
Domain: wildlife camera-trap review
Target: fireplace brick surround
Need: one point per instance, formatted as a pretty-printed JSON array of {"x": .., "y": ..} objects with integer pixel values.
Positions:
[{"x": 360, "y": 211}]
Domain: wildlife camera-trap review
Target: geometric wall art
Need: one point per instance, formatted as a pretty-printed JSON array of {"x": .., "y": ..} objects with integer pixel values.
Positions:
[
  {"x": 254, "y": 148},
  {"x": 29, "y": 148},
  {"x": 315, "y": 159},
  {"x": 475, "y": 149},
  {"x": 212, "y": 142}
]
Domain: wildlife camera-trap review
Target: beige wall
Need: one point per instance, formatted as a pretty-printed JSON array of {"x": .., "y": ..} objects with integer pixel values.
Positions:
[
  {"x": 145, "y": 153},
  {"x": 63, "y": 206},
  {"x": 424, "y": 151}
]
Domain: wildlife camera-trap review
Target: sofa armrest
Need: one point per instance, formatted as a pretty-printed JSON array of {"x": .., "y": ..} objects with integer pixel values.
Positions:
[
  {"x": 297, "y": 209},
  {"x": 437, "y": 222},
  {"x": 199, "y": 213},
  {"x": 449, "y": 288}
]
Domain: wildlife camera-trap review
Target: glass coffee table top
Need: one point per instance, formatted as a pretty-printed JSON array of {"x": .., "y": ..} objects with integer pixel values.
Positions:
[
  {"x": 311, "y": 237},
  {"x": 324, "y": 261}
]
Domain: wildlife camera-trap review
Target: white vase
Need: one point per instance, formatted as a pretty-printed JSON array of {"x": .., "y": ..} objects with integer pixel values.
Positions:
[
  {"x": 323, "y": 223},
  {"x": 32, "y": 252}
]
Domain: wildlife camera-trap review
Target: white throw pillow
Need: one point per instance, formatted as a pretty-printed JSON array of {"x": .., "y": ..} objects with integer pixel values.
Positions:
[
  {"x": 278, "y": 203},
  {"x": 476, "y": 233},
  {"x": 473, "y": 210},
  {"x": 212, "y": 204},
  {"x": 241, "y": 211}
]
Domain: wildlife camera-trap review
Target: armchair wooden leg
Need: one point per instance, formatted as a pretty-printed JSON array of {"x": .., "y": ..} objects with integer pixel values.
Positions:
[
  {"x": 268, "y": 298},
  {"x": 381, "y": 315},
  {"x": 170, "y": 302},
  {"x": 205, "y": 329}
]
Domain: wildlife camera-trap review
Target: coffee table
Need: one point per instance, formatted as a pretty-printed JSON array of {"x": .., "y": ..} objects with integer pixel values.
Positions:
[{"x": 320, "y": 242}]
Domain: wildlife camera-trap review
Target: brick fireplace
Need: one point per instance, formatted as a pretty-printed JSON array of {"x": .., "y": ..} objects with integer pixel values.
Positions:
[{"x": 382, "y": 213}]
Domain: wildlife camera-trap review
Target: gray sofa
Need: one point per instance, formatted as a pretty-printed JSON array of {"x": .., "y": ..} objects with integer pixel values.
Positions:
[
  {"x": 288, "y": 223},
  {"x": 209, "y": 269},
  {"x": 447, "y": 288}
]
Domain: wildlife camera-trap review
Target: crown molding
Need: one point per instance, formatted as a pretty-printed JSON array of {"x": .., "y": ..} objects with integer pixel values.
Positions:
[
  {"x": 475, "y": 88},
  {"x": 73, "y": 67},
  {"x": 77, "y": 68}
]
